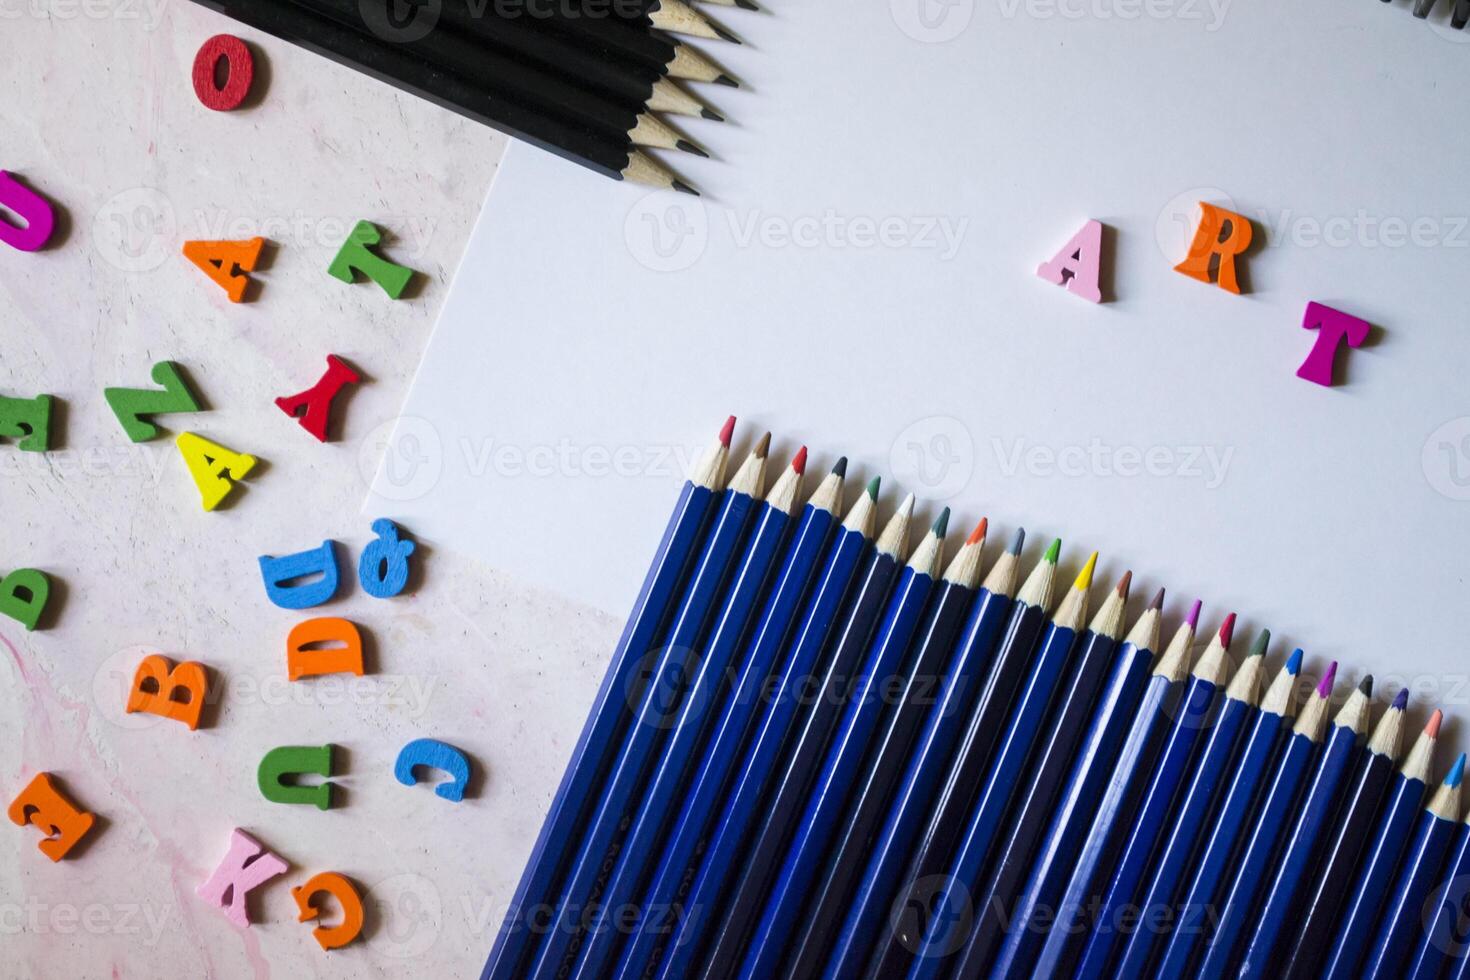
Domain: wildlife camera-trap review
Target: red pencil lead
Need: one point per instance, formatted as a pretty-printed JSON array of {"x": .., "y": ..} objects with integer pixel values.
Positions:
[
  {"x": 1124, "y": 584},
  {"x": 978, "y": 535},
  {"x": 1432, "y": 729},
  {"x": 728, "y": 432},
  {"x": 1227, "y": 630},
  {"x": 799, "y": 463}
]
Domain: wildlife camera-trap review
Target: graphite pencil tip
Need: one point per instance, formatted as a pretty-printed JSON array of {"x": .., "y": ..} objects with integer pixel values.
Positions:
[
  {"x": 723, "y": 79},
  {"x": 688, "y": 147},
  {"x": 1054, "y": 552},
  {"x": 1193, "y": 618},
  {"x": 1124, "y": 584},
  {"x": 726, "y": 35},
  {"x": 1431, "y": 727},
  {"x": 1227, "y": 631},
  {"x": 1017, "y": 542},
  {"x": 1401, "y": 699},
  {"x": 1457, "y": 772},
  {"x": 1158, "y": 601},
  {"x": 1324, "y": 686},
  {"x": 1263, "y": 640},
  {"x": 941, "y": 523},
  {"x": 799, "y": 463},
  {"x": 746, "y": 4},
  {"x": 1084, "y": 577},
  {"x": 873, "y": 486},
  {"x": 1294, "y": 662},
  {"x": 711, "y": 114},
  {"x": 727, "y": 432},
  {"x": 684, "y": 188},
  {"x": 840, "y": 468},
  {"x": 1366, "y": 686},
  {"x": 763, "y": 447},
  {"x": 978, "y": 535}
]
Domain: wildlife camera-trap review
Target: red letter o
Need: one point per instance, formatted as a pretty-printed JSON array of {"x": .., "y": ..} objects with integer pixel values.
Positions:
[{"x": 239, "y": 73}]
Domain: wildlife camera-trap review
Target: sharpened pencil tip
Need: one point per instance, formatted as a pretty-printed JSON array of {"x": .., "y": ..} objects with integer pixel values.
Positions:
[
  {"x": 1084, "y": 577},
  {"x": 1294, "y": 662},
  {"x": 941, "y": 524},
  {"x": 978, "y": 535},
  {"x": 1401, "y": 699},
  {"x": 1262, "y": 641},
  {"x": 1324, "y": 686},
  {"x": 873, "y": 486},
  {"x": 840, "y": 468},
  {"x": 799, "y": 463},
  {"x": 1017, "y": 542},
  {"x": 1193, "y": 618},
  {"x": 762, "y": 448},
  {"x": 1054, "y": 552},
  {"x": 689, "y": 147},
  {"x": 724, "y": 79},
  {"x": 1158, "y": 602},
  {"x": 746, "y": 5},
  {"x": 684, "y": 188},
  {"x": 1366, "y": 686},
  {"x": 1227, "y": 631},
  {"x": 1431, "y": 728},
  {"x": 907, "y": 507},
  {"x": 711, "y": 115},
  {"x": 1124, "y": 584},
  {"x": 727, "y": 432},
  {"x": 1457, "y": 772},
  {"x": 725, "y": 35}
]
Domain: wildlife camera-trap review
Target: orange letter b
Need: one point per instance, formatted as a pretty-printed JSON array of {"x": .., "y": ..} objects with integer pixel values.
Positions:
[{"x": 177, "y": 693}]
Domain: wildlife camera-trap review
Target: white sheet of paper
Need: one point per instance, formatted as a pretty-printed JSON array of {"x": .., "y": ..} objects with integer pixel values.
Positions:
[{"x": 860, "y": 276}]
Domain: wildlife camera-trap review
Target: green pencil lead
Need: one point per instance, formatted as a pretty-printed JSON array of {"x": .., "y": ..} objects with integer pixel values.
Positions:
[
  {"x": 1054, "y": 552},
  {"x": 1258, "y": 648},
  {"x": 941, "y": 524},
  {"x": 873, "y": 485}
]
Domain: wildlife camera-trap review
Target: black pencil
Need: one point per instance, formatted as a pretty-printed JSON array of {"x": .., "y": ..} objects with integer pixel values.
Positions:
[
  {"x": 634, "y": 80},
  {"x": 927, "y": 667},
  {"x": 802, "y": 756},
  {"x": 674, "y": 16},
  {"x": 592, "y": 147},
  {"x": 550, "y": 93}
]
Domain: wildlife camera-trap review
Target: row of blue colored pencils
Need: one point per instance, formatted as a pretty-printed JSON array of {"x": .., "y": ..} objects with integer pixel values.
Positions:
[{"x": 821, "y": 752}]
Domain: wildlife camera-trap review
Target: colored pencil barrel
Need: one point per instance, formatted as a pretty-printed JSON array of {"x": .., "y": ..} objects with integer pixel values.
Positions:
[
  {"x": 840, "y": 764},
  {"x": 893, "y": 946},
  {"x": 641, "y": 739},
  {"x": 690, "y": 731},
  {"x": 935, "y": 749},
  {"x": 719, "y": 809},
  {"x": 892, "y": 746},
  {"x": 781, "y": 806},
  {"x": 608, "y": 717},
  {"x": 1444, "y": 939}
]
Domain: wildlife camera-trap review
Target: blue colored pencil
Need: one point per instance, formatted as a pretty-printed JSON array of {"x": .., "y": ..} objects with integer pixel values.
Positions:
[
  {"x": 1401, "y": 924},
  {"x": 891, "y": 747},
  {"x": 901, "y": 932},
  {"x": 1443, "y": 948},
  {"x": 1279, "y": 908},
  {"x": 1267, "y": 822},
  {"x": 783, "y": 588},
  {"x": 718, "y": 812},
  {"x": 1196, "y": 716},
  {"x": 847, "y": 747},
  {"x": 1124, "y": 735},
  {"x": 1199, "y": 797},
  {"x": 610, "y": 712},
  {"x": 625, "y": 776},
  {"x": 1100, "y": 688},
  {"x": 1385, "y": 846},
  {"x": 948, "y": 908},
  {"x": 1096, "y": 838},
  {"x": 1342, "y": 849},
  {"x": 756, "y": 858},
  {"x": 935, "y": 747},
  {"x": 1223, "y": 832}
]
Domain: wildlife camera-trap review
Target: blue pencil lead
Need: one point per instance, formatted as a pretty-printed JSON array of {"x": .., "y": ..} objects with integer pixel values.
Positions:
[
  {"x": 1294, "y": 662},
  {"x": 1401, "y": 700},
  {"x": 1017, "y": 541},
  {"x": 1457, "y": 772}
]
